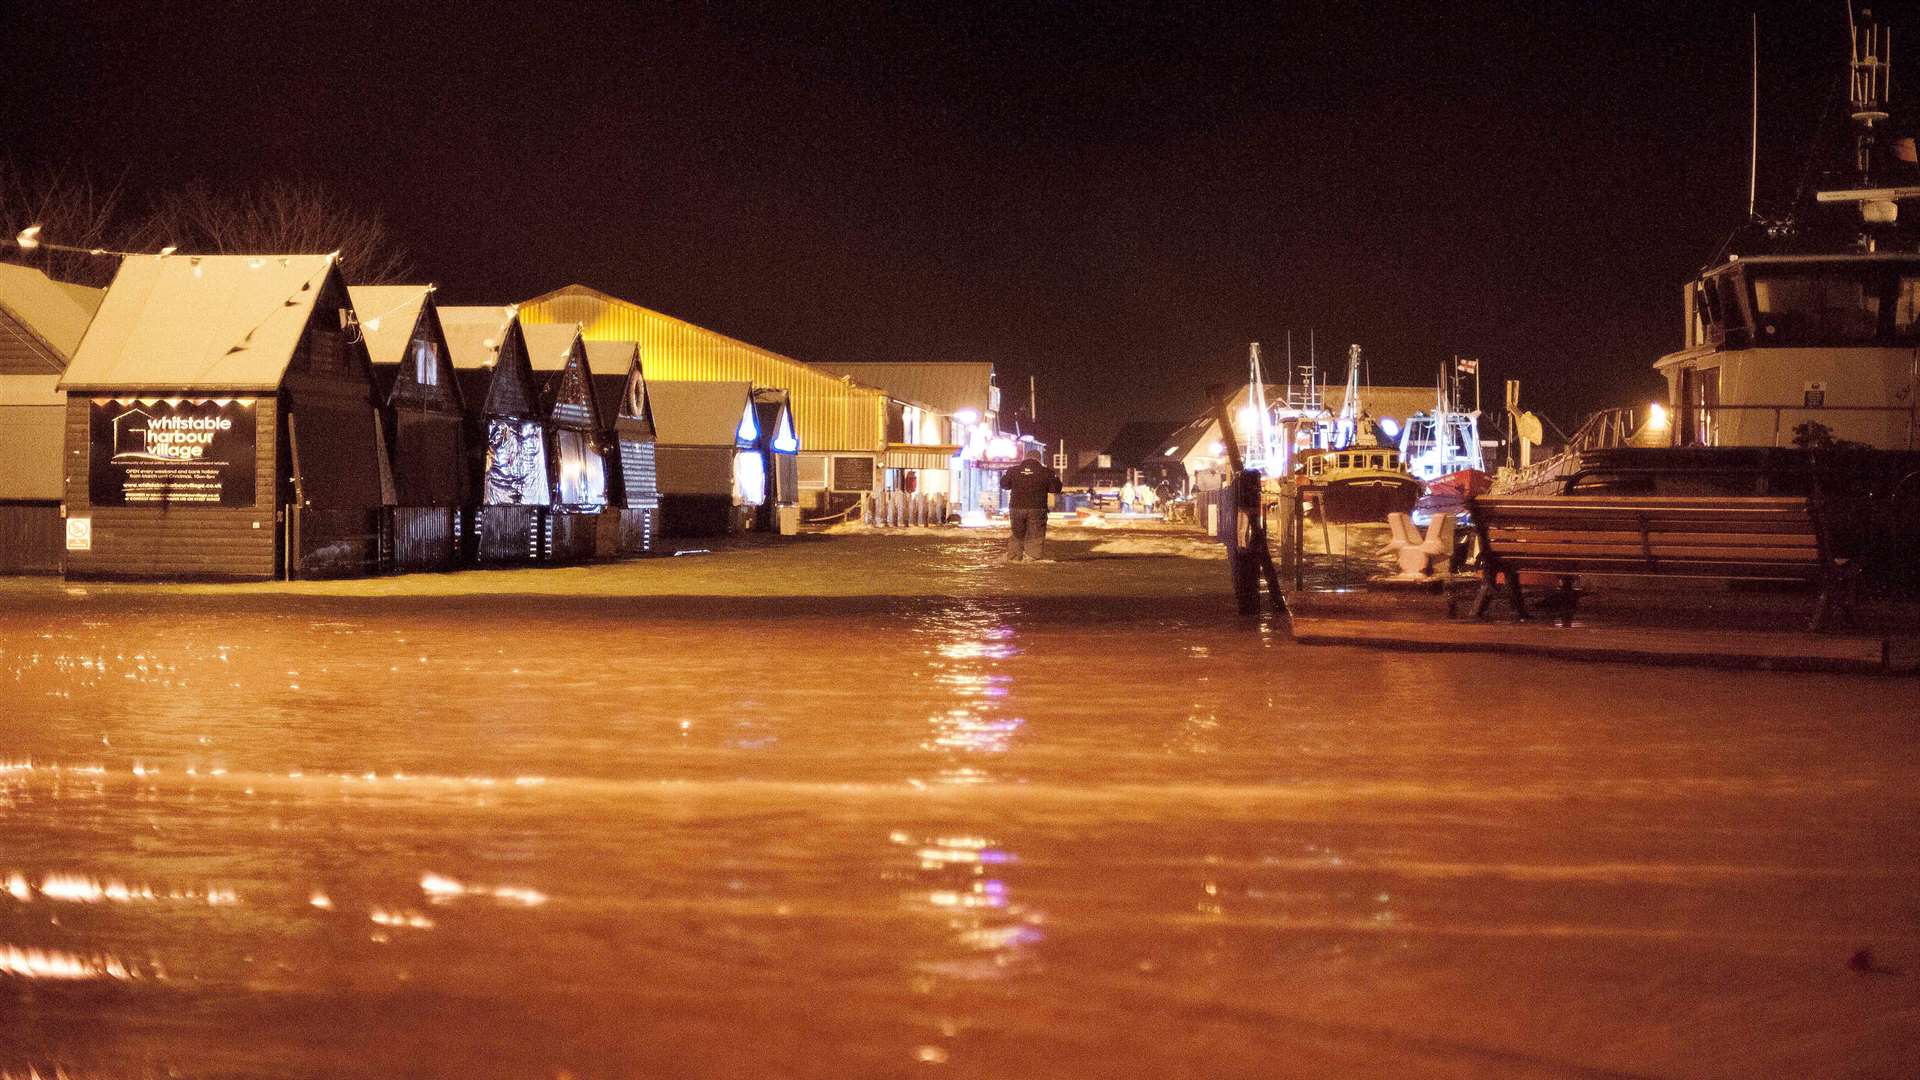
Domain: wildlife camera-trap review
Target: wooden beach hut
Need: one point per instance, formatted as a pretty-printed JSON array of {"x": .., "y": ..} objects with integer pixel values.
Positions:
[
  {"x": 620, "y": 389},
  {"x": 41, "y": 323},
  {"x": 423, "y": 419},
  {"x": 221, "y": 424},
  {"x": 506, "y": 435},
  {"x": 711, "y": 476},
  {"x": 576, "y": 440},
  {"x": 780, "y": 454}
]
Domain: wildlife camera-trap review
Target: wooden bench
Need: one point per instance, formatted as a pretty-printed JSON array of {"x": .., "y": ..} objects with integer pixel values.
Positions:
[{"x": 1709, "y": 537}]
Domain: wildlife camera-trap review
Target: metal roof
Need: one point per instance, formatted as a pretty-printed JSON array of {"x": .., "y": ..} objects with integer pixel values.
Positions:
[
  {"x": 946, "y": 386},
  {"x": 54, "y": 311},
  {"x": 830, "y": 412},
  {"x": 699, "y": 413},
  {"x": 388, "y": 315},
  {"x": 199, "y": 322}
]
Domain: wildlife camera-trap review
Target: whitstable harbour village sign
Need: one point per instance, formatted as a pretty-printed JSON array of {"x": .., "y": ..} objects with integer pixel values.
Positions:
[{"x": 171, "y": 451}]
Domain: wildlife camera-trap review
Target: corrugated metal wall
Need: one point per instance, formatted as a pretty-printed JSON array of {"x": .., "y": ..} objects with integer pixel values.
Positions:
[{"x": 828, "y": 414}]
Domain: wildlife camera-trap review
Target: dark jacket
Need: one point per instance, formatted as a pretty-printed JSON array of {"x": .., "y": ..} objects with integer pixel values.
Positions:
[{"x": 1030, "y": 483}]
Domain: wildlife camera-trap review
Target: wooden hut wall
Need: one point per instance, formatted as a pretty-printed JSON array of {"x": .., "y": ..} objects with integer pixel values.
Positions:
[
  {"x": 336, "y": 473},
  {"x": 502, "y": 406},
  {"x": 31, "y": 538},
  {"x": 211, "y": 541},
  {"x": 577, "y": 462},
  {"x": 429, "y": 443},
  {"x": 32, "y": 420},
  {"x": 633, "y": 482},
  {"x": 426, "y": 437},
  {"x": 696, "y": 490}
]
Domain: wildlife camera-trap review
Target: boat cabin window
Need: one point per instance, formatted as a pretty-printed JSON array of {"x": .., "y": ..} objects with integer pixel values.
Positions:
[
  {"x": 1834, "y": 304},
  {"x": 1343, "y": 461}
]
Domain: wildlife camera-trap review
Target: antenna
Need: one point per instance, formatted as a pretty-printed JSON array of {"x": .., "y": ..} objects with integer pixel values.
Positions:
[{"x": 1753, "y": 135}]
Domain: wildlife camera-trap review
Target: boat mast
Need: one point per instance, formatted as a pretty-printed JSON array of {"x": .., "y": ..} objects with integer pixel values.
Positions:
[{"x": 1260, "y": 448}]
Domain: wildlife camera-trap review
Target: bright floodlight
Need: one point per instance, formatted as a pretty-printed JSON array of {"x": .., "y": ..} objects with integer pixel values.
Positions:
[
  {"x": 1391, "y": 426},
  {"x": 967, "y": 416},
  {"x": 28, "y": 238},
  {"x": 1217, "y": 448},
  {"x": 1657, "y": 416}
]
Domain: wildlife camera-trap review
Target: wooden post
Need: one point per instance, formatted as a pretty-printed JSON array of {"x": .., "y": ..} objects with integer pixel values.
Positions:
[{"x": 1248, "y": 557}]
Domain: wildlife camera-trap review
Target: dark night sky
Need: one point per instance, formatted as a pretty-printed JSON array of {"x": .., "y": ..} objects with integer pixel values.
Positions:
[{"x": 1113, "y": 198}]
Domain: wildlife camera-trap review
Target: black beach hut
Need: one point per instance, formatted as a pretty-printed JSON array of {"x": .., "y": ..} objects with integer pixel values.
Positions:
[
  {"x": 576, "y": 440},
  {"x": 711, "y": 475},
  {"x": 221, "y": 424},
  {"x": 424, "y": 421},
  {"x": 506, "y": 436},
  {"x": 620, "y": 388},
  {"x": 780, "y": 453}
]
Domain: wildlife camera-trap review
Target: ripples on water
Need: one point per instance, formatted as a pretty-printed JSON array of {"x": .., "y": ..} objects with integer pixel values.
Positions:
[{"x": 988, "y": 836}]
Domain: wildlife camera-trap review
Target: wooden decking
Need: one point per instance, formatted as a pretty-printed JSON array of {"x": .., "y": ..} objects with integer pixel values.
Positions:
[{"x": 1644, "y": 644}]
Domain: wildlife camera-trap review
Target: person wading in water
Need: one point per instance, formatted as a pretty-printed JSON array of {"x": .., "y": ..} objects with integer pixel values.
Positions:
[{"x": 1031, "y": 483}]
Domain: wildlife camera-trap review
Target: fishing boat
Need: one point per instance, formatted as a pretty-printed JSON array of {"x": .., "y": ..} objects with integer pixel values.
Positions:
[
  {"x": 1799, "y": 371},
  {"x": 1353, "y": 479},
  {"x": 1804, "y": 329},
  {"x": 1362, "y": 483},
  {"x": 1442, "y": 448}
]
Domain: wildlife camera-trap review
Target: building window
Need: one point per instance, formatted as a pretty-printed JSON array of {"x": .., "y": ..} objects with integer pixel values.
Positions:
[{"x": 426, "y": 362}]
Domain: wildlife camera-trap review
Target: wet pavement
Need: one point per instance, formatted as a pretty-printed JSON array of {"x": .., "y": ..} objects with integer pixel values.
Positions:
[{"x": 863, "y": 806}]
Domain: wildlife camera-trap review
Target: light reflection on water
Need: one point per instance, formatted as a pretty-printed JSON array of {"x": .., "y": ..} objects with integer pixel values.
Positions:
[{"x": 516, "y": 838}]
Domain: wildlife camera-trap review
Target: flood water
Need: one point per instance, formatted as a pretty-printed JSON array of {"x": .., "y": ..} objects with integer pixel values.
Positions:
[{"x": 966, "y": 835}]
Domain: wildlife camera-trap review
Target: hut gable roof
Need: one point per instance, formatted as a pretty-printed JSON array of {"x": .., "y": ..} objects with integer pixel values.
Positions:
[
  {"x": 616, "y": 369},
  {"x": 776, "y": 420},
  {"x": 200, "y": 322},
  {"x": 1140, "y": 441},
  {"x": 389, "y": 315},
  {"x": 489, "y": 352},
  {"x": 701, "y": 413},
  {"x": 559, "y": 362},
  {"x": 46, "y": 318},
  {"x": 946, "y": 386},
  {"x": 392, "y": 318}
]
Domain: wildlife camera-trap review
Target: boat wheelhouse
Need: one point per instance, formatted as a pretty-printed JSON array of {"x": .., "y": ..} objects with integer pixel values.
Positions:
[
  {"x": 1776, "y": 343},
  {"x": 1805, "y": 330}
]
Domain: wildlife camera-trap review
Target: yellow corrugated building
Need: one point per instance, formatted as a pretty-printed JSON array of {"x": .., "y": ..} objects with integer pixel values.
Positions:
[{"x": 842, "y": 425}]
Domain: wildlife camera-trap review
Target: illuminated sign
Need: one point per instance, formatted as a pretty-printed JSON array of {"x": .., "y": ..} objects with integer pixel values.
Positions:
[{"x": 171, "y": 452}]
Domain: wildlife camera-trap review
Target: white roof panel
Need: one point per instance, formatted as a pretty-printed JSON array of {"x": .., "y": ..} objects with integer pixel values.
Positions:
[
  {"x": 199, "y": 322},
  {"x": 475, "y": 334},
  {"x": 549, "y": 345},
  {"x": 56, "y": 311},
  {"x": 699, "y": 413},
  {"x": 611, "y": 357},
  {"x": 388, "y": 314}
]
